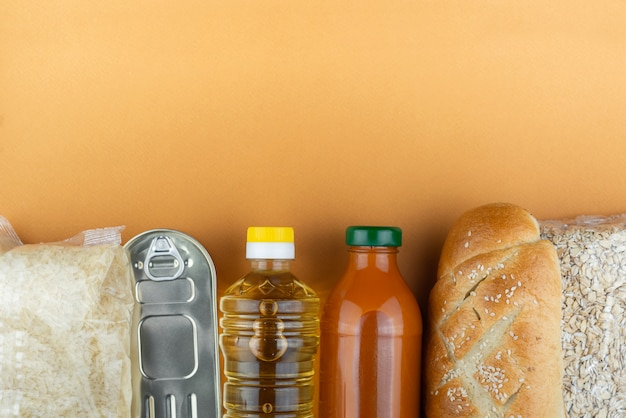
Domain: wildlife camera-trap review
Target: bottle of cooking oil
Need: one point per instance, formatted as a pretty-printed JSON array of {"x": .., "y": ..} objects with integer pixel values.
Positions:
[{"x": 270, "y": 333}]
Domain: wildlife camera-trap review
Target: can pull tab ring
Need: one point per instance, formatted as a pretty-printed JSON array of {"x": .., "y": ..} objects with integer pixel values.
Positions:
[{"x": 163, "y": 261}]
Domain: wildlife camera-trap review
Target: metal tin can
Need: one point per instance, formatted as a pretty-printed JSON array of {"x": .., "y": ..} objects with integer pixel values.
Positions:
[{"x": 175, "y": 357}]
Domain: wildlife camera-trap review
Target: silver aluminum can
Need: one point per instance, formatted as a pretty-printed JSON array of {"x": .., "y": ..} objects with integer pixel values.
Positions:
[{"x": 174, "y": 341}]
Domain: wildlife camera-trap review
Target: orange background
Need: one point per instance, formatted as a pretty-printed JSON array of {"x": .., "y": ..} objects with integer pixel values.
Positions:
[{"x": 209, "y": 116}]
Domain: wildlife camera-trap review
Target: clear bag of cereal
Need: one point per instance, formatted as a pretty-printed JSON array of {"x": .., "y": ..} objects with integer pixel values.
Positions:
[{"x": 592, "y": 255}]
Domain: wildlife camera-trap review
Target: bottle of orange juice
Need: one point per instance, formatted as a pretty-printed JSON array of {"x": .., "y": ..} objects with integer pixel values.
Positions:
[{"x": 371, "y": 332}]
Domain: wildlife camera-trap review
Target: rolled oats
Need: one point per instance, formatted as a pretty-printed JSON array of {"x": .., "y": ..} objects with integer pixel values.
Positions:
[{"x": 592, "y": 255}]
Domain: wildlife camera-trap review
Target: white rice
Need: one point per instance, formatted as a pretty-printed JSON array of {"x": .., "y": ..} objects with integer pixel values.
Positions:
[{"x": 65, "y": 314}]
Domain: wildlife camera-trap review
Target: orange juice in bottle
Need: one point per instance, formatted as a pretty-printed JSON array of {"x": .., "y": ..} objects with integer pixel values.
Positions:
[{"x": 371, "y": 333}]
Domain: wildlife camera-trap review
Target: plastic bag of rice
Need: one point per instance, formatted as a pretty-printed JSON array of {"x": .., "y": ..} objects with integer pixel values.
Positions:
[
  {"x": 65, "y": 315},
  {"x": 592, "y": 254}
]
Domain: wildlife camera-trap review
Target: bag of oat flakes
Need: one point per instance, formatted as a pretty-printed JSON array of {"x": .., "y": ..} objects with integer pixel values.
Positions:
[
  {"x": 592, "y": 255},
  {"x": 65, "y": 315}
]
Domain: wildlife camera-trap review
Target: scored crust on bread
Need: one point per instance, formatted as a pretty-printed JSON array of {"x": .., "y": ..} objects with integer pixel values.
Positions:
[{"x": 494, "y": 344}]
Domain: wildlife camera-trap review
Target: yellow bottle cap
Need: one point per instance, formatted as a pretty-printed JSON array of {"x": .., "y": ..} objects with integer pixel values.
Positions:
[
  {"x": 270, "y": 234},
  {"x": 275, "y": 243}
]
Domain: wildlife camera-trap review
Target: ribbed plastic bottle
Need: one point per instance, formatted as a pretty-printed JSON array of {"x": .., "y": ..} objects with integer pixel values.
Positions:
[
  {"x": 371, "y": 333},
  {"x": 270, "y": 333}
]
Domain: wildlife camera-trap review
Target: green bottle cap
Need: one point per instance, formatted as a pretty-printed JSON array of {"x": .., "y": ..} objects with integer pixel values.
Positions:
[{"x": 374, "y": 236}]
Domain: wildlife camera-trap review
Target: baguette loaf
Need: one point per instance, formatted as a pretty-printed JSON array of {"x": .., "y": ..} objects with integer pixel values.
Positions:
[{"x": 494, "y": 342}]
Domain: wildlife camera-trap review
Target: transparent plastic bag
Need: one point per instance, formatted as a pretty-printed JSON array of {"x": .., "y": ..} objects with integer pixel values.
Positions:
[
  {"x": 592, "y": 254},
  {"x": 65, "y": 316}
]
